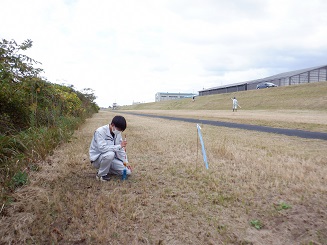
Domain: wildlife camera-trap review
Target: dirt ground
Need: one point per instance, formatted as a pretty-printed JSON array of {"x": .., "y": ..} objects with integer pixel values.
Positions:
[{"x": 276, "y": 182}]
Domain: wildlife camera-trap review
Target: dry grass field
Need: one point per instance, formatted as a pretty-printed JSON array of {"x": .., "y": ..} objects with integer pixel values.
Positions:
[
  {"x": 294, "y": 119},
  {"x": 260, "y": 188}
]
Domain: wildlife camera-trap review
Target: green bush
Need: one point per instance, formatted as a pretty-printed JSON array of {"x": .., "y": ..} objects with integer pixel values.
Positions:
[{"x": 35, "y": 115}]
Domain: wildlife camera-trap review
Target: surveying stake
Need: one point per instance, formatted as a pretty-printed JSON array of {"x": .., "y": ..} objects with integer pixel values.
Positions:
[{"x": 202, "y": 147}]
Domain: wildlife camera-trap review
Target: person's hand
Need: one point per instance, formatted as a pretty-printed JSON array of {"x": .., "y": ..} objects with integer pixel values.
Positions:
[{"x": 123, "y": 144}]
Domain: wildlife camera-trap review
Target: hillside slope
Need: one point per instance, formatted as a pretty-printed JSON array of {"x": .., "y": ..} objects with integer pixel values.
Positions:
[{"x": 311, "y": 96}]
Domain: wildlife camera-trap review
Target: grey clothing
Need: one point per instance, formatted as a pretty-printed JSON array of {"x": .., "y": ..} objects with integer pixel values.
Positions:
[
  {"x": 108, "y": 163},
  {"x": 103, "y": 142},
  {"x": 106, "y": 153}
]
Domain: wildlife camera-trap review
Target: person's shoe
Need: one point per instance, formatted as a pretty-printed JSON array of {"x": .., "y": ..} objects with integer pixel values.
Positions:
[{"x": 103, "y": 178}]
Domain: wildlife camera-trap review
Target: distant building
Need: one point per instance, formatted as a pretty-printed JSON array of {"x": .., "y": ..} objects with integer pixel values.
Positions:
[
  {"x": 114, "y": 106},
  {"x": 308, "y": 75},
  {"x": 160, "y": 96}
]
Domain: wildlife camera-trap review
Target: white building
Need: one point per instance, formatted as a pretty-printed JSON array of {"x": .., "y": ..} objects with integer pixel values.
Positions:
[{"x": 160, "y": 96}]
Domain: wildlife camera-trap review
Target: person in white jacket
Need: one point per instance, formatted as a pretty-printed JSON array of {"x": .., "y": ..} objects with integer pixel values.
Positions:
[
  {"x": 235, "y": 104},
  {"x": 108, "y": 149}
]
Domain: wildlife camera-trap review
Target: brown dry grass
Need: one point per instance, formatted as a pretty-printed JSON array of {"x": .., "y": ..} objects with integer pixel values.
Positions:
[{"x": 171, "y": 198}]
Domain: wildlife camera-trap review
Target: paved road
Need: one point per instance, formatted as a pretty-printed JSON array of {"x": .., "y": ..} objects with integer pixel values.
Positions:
[{"x": 288, "y": 132}]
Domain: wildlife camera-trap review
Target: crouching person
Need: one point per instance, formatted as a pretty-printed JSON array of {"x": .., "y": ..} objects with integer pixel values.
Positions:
[{"x": 108, "y": 149}]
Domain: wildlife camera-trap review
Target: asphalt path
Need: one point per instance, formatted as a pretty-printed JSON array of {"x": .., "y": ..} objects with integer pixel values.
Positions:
[{"x": 284, "y": 131}]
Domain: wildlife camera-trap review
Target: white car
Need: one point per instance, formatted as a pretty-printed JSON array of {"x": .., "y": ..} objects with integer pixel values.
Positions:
[{"x": 266, "y": 85}]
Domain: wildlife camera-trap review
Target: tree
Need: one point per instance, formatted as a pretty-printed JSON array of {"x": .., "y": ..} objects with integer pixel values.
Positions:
[
  {"x": 14, "y": 66},
  {"x": 89, "y": 94},
  {"x": 27, "y": 100}
]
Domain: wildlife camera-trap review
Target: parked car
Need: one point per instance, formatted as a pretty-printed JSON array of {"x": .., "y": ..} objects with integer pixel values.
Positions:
[{"x": 266, "y": 85}]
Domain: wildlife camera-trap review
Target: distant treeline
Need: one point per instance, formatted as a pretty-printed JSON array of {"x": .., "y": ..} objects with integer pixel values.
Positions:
[{"x": 35, "y": 115}]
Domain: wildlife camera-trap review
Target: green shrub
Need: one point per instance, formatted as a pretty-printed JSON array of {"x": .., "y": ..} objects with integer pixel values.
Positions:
[{"x": 35, "y": 115}]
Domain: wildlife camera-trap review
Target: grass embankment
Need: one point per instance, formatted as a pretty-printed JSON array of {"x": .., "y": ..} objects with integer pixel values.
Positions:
[
  {"x": 260, "y": 189},
  {"x": 299, "y": 106},
  {"x": 311, "y": 96}
]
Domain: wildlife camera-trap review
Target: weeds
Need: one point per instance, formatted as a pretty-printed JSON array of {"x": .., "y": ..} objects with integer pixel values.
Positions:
[
  {"x": 282, "y": 206},
  {"x": 19, "y": 179},
  {"x": 22, "y": 150},
  {"x": 256, "y": 224}
]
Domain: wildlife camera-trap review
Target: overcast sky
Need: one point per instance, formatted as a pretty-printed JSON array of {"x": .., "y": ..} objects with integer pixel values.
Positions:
[{"x": 126, "y": 50}]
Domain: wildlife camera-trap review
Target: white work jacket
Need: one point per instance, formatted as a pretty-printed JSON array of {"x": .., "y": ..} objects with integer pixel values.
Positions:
[{"x": 103, "y": 142}]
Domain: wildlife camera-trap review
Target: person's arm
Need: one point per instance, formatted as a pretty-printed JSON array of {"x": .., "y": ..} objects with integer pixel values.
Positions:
[{"x": 105, "y": 142}]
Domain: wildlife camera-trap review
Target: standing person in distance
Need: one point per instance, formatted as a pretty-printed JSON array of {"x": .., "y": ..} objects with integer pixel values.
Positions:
[
  {"x": 235, "y": 104},
  {"x": 107, "y": 149}
]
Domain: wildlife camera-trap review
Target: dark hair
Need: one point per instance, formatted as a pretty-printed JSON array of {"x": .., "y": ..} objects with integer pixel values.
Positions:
[{"x": 119, "y": 122}]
